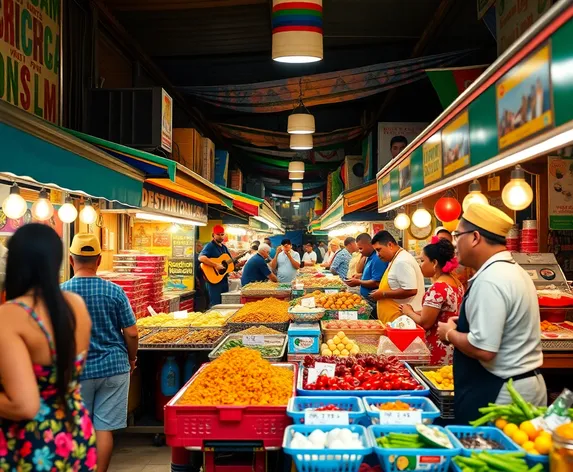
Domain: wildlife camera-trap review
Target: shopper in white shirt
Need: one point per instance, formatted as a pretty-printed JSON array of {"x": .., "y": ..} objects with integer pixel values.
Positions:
[
  {"x": 497, "y": 336},
  {"x": 309, "y": 256},
  {"x": 286, "y": 262},
  {"x": 403, "y": 281}
]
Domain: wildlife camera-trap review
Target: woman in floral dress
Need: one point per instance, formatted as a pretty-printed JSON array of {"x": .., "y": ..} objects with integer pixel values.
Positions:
[
  {"x": 442, "y": 300},
  {"x": 44, "y": 339}
]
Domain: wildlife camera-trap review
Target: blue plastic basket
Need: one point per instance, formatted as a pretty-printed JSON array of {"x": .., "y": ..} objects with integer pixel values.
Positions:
[
  {"x": 326, "y": 460},
  {"x": 363, "y": 393},
  {"x": 486, "y": 432},
  {"x": 297, "y": 406},
  {"x": 534, "y": 459},
  {"x": 457, "y": 468},
  {"x": 429, "y": 410},
  {"x": 389, "y": 457}
]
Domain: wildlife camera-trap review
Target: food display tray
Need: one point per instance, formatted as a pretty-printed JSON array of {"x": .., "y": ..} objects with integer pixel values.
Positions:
[
  {"x": 235, "y": 327},
  {"x": 285, "y": 293},
  {"x": 353, "y": 405},
  {"x": 429, "y": 411},
  {"x": 487, "y": 432},
  {"x": 178, "y": 345},
  {"x": 363, "y": 393},
  {"x": 444, "y": 399},
  {"x": 366, "y": 336},
  {"x": 192, "y": 426},
  {"x": 274, "y": 340}
]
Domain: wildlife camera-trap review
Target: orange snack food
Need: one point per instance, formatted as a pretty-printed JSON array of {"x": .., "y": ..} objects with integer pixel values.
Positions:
[
  {"x": 548, "y": 326},
  {"x": 240, "y": 376},
  {"x": 395, "y": 406},
  {"x": 268, "y": 310}
]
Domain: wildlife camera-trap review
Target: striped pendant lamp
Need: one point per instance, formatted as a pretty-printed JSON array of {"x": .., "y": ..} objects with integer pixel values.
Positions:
[{"x": 297, "y": 31}]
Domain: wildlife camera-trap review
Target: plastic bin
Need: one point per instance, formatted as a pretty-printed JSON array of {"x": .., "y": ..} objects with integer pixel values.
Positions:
[
  {"x": 354, "y": 406},
  {"x": 433, "y": 460},
  {"x": 326, "y": 460},
  {"x": 429, "y": 411},
  {"x": 487, "y": 432}
]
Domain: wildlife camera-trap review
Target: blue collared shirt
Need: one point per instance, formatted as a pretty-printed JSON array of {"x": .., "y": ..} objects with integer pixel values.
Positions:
[
  {"x": 110, "y": 312},
  {"x": 255, "y": 270},
  {"x": 373, "y": 270}
]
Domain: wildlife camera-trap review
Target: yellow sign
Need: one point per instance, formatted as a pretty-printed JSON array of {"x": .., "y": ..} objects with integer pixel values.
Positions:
[
  {"x": 30, "y": 56},
  {"x": 524, "y": 105},
  {"x": 456, "y": 144},
  {"x": 385, "y": 193},
  {"x": 405, "y": 177},
  {"x": 432, "y": 159}
]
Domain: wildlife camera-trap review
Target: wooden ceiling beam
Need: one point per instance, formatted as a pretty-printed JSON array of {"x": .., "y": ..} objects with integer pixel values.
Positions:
[{"x": 176, "y": 5}]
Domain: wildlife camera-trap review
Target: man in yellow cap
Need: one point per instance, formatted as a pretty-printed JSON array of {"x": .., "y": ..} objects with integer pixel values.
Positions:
[
  {"x": 113, "y": 345},
  {"x": 497, "y": 336}
]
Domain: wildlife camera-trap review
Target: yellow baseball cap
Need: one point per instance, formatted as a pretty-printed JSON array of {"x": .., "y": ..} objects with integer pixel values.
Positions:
[
  {"x": 85, "y": 244},
  {"x": 488, "y": 218}
]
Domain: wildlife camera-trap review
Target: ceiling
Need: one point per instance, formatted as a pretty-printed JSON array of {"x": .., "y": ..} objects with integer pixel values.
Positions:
[{"x": 219, "y": 42}]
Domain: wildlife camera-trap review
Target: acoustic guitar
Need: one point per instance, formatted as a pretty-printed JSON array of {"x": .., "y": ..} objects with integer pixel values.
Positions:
[{"x": 214, "y": 276}]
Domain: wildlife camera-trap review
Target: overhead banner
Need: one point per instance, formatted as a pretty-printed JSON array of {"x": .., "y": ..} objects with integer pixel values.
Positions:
[
  {"x": 160, "y": 200},
  {"x": 30, "y": 56}
]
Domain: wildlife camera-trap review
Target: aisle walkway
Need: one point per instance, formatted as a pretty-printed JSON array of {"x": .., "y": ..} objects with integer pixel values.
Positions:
[{"x": 137, "y": 454}]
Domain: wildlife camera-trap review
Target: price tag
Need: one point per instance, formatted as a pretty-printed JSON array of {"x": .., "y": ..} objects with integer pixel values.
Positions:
[
  {"x": 400, "y": 417},
  {"x": 324, "y": 368},
  {"x": 181, "y": 315},
  {"x": 253, "y": 340},
  {"x": 308, "y": 302},
  {"x": 348, "y": 315},
  {"x": 331, "y": 291},
  {"x": 299, "y": 286},
  {"x": 325, "y": 417}
]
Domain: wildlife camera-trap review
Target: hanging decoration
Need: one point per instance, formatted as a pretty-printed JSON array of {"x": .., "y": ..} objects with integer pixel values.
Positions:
[
  {"x": 474, "y": 195},
  {"x": 517, "y": 194},
  {"x": 451, "y": 225},
  {"x": 297, "y": 31},
  {"x": 301, "y": 141},
  {"x": 447, "y": 209},
  {"x": 14, "y": 206}
]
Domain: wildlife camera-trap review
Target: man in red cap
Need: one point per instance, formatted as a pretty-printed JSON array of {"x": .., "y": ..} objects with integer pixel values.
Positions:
[{"x": 213, "y": 250}]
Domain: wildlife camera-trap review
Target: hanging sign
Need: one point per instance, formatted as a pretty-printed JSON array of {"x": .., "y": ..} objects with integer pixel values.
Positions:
[
  {"x": 386, "y": 190},
  {"x": 170, "y": 203},
  {"x": 432, "y": 159},
  {"x": 515, "y": 17},
  {"x": 166, "y": 121},
  {"x": 30, "y": 56},
  {"x": 456, "y": 144},
  {"x": 560, "y": 188}
]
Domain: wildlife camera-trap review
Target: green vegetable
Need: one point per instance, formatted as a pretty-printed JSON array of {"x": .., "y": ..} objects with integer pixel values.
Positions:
[{"x": 519, "y": 401}]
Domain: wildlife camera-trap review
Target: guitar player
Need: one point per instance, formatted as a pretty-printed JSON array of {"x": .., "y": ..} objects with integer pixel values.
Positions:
[{"x": 214, "y": 249}]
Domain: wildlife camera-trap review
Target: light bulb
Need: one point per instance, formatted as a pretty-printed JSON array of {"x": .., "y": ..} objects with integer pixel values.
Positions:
[
  {"x": 68, "y": 212},
  {"x": 88, "y": 215},
  {"x": 402, "y": 221},
  {"x": 14, "y": 206},
  {"x": 474, "y": 196},
  {"x": 421, "y": 218},
  {"x": 517, "y": 194},
  {"x": 42, "y": 209}
]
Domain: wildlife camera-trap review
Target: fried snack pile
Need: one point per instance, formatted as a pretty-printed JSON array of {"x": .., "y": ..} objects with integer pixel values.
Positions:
[{"x": 268, "y": 310}]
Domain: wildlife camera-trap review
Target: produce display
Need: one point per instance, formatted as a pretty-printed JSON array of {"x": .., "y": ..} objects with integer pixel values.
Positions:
[
  {"x": 166, "y": 336},
  {"x": 261, "y": 286},
  {"x": 259, "y": 330},
  {"x": 193, "y": 320},
  {"x": 339, "y": 345},
  {"x": 361, "y": 372},
  {"x": 338, "y": 438},
  {"x": 442, "y": 379},
  {"x": 427, "y": 437},
  {"x": 477, "y": 441},
  {"x": 337, "y": 301},
  {"x": 203, "y": 336},
  {"x": 508, "y": 462},
  {"x": 268, "y": 310},
  {"x": 240, "y": 377},
  {"x": 144, "y": 332},
  {"x": 304, "y": 309},
  {"x": 548, "y": 326},
  {"x": 352, "y": 324},
  {"x": 392, "y": 406},
  {"x": 266, "y": 351},
  {"x": 320, "y": 281}
]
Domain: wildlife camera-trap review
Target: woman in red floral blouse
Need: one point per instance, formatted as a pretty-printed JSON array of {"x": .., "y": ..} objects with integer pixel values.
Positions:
[{"x": 442, "y": 300}]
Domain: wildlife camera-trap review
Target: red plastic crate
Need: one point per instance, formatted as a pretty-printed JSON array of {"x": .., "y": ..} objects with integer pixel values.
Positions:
[
  {"x": 402, "y": 338},
  {"x": 192, "y": 426}
]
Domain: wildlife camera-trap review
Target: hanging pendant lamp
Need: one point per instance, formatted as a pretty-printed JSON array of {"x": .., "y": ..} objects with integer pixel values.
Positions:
[
  {"x": 297, "y": 187},
  {"x": 301, "y": 142},
  {"x": 300, "y": 121},
  {"x": 474, "y": 195},
  {"x": 297, "y": 31},
  {"x": 296, "y": 175},
  {"x": 297, "y": 194},
  {"x": 296, "y": 167}
]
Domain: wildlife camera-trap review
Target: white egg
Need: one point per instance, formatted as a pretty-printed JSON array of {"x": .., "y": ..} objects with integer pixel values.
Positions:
[
  {"x": 318, "y": 437},
  {"x": 355, "y": 436},
  {"x": 336, "y": 444},
  {"x": 345, "y": 435},
  {"x": 299, "y": 436},
  {"x": 296, "y": 443}
]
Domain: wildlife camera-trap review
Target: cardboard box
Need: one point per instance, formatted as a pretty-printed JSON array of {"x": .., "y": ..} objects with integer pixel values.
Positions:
[
  {"x": 187, "y": 148},
  {"x": 208, "y": 159},
  {"x": 237, "y": 180}
]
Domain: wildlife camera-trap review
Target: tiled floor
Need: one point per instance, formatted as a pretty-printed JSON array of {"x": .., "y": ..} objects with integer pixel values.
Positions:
[{"x": 136, "y": 453}]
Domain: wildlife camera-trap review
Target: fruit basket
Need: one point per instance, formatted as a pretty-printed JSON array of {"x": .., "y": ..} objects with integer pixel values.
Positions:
[
  {"x": 326, "y": 460},
  {"x": 194, "y": 425},
  {"x": 429, "y": 411},
  {"x": 487, "y": 432},
  {"x": 427, "y": 459},
  {"x": 444, "y": 399},
  {"x": 298, "y": 314},
  {"x": 353, "y": 405},
  {"x": 362, "y": 331}
]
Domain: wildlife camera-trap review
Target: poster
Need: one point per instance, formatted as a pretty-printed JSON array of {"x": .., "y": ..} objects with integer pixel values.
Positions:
[
  {"x": 388, "y": 130},
  {"x": 405, "y": 177},
  {"x": 432, "y": 159},
  {"x": 456, "y": 144},
  {"x": 183, "y": 244},
  {"x": 523, "y": 102},
  {"x": 386, "y": 190},
  {"x": 560, "y": 187},
  {"x": 515, "y": 17},
  {"x": 166, "y": 121},
  {"x": 30, "y": 56}
]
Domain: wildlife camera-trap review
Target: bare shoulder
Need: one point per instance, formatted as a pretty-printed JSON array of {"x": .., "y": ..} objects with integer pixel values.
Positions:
[{"x": 7, "y": 312}]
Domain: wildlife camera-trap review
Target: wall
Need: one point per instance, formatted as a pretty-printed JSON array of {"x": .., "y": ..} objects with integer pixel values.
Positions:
[{"x": 113, "y": 66}]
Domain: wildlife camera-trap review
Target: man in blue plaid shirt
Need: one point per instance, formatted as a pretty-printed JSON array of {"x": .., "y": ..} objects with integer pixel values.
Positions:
[{"x": 113, "y": 344}]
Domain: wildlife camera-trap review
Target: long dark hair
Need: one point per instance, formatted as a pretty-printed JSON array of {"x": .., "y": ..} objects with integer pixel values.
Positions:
[
  {"x": 35, "y": 255},
  {"x": 441, "y": 251}
]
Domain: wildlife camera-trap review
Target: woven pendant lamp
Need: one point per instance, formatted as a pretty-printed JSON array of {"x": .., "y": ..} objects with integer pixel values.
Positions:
[
  {"x": 301, "y": 142},
  {"x": 297, "y": 187},
  {"x": 295, "y": 175},
  {"x": 297, "y": 31},
  {"x": 296, "y": 167}
]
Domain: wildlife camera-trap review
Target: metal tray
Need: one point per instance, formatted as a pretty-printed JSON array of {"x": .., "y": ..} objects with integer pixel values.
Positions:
[
  {"x": 274, "y": 340},
  {"x": 439, "y": 393},
  {"x": 178, "y": 345},
  {"x": 557, "y": 344}
]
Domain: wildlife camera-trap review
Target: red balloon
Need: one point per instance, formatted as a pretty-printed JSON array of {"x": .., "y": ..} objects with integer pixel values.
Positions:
[{"x": 447, "y": 209}]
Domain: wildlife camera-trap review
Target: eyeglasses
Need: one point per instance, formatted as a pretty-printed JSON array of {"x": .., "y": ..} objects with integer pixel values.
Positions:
[{"x": 457, "y": 234}]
